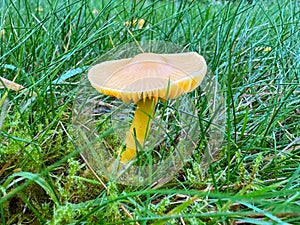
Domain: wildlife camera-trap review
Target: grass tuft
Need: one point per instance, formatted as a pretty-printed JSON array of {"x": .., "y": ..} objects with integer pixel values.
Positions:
[{"x": 251, "y": 49}]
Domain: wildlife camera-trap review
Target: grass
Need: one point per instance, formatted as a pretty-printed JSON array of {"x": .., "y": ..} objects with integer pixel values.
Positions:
[{"x": 253, "y": 51}]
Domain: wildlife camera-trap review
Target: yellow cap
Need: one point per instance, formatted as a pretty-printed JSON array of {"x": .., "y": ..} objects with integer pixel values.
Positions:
[{"x": 149, "y": 75}]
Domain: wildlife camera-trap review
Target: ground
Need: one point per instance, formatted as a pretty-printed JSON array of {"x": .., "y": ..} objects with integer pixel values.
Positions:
[{"x": 252, "y": 52}]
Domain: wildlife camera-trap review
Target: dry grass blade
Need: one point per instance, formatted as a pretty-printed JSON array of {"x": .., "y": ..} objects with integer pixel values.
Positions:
[
  {"x": 11, "y": 85},
  {"x": 5, "y": 83}
]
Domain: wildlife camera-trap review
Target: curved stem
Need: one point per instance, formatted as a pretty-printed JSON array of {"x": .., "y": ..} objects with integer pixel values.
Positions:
[{"x": 139, "y": 129}]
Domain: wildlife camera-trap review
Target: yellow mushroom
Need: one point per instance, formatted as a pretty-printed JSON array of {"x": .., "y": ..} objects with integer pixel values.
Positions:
[{"x": 144, "y": 79}]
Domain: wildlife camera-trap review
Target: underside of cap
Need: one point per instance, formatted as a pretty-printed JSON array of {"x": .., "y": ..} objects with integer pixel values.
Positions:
[{"x": 149, "y": 75}]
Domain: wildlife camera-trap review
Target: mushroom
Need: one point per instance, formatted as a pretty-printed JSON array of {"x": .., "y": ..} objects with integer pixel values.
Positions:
[{"x": 144, "y": 79}]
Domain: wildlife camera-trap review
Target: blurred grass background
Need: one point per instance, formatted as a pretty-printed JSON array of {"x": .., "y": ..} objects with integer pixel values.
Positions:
[{"x": 253, "y": 49}]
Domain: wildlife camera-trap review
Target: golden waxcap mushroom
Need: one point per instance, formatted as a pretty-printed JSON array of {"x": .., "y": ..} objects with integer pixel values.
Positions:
[{"x": 144, "y": 79}]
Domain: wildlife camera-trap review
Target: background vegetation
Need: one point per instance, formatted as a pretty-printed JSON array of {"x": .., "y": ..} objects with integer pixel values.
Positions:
[{"x": 47, "y": 46}]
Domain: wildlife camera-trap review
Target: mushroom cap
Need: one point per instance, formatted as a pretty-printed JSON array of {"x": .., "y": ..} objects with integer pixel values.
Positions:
[{"x": 149, "y": 75}]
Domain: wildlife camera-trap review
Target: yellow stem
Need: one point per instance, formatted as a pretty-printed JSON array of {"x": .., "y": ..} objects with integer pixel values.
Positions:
[{"x": 139, "y": 129}]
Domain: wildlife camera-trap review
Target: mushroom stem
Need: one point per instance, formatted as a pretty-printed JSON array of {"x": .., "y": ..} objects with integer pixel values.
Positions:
[{"x": 139, "y": 129}]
